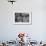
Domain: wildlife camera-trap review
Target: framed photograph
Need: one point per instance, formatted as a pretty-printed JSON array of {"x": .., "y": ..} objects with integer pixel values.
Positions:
[{"x": 22, "y": 18}]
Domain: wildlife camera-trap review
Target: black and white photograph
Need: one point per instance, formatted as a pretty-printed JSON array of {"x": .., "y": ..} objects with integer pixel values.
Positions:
[{"x": 22, "y": 18}]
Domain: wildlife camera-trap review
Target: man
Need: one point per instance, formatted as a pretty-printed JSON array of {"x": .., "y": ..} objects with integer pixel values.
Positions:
[
  {"x": 25, "y": 17},
  {"x": 18, "y": 17}
]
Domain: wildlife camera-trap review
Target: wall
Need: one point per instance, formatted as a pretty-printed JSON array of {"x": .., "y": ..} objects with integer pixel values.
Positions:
[{"x": 37, "y": 30}]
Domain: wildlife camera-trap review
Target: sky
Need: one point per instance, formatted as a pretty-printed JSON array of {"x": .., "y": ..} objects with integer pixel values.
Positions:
[{"x": 9, "y": 31}]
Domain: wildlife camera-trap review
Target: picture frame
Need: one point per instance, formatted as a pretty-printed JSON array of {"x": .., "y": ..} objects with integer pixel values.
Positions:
[{"x": 24, "y": 18}]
